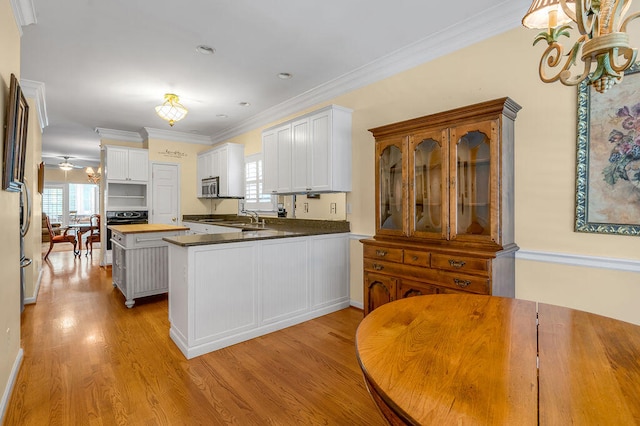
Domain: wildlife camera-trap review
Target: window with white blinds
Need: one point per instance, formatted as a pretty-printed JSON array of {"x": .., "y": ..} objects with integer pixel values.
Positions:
[
  {"x": 67, "y": 203},
  {"x": 254, "y": 199},
  {"x": 52, "y": 202}
]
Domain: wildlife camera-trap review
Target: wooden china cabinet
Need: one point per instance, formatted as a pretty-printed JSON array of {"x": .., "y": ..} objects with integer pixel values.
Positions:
[{"x": 444, "y": 205}]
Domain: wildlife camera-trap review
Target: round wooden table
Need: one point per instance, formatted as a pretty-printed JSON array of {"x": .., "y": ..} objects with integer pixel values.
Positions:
[{"x": 473, "y": 359}]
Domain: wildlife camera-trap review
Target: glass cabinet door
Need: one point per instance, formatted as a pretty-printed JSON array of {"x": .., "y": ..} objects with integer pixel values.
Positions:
[
  {"x": 428, "y": 177},
  {"x": 391, "y": 198},
  {"x": 471, "y": 164}
]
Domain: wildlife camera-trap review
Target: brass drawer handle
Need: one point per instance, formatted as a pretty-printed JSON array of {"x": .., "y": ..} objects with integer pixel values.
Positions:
[
  {"x": 461, "y": 283},
  {"x": 381, "y": 253},
  {"x": 414, "y": 258},
  {"x": 378, "y": 267},
  {"x": 457, "y": 263}
]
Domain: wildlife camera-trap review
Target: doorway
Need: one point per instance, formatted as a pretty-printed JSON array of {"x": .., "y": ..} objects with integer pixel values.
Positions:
[{"x": 165, "y": 193}]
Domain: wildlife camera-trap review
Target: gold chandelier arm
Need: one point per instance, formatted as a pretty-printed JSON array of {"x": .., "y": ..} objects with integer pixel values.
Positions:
[
  {"x": 629, "y": 18},
  {"x": 565, "y": 75},
  {"x": 551, "y": 58},
  {"x": 629, "y": 56},
  {"x": 584, "y": 20},
  {"x": 567, "y": 10}
]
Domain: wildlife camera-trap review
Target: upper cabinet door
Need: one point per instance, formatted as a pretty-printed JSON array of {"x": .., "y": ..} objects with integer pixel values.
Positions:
[
  {"x": 320, "y": 159},
  {"x": 283, "y": 137},
  {"x": 139, "y": 165},
  {"x": 474, "y": 197},
  {"x": 391, "y": 200},
  {"x": 127, "y": 164},
  {"x": 428, "y": 184},
  {"x": 270, "y": 159},
  {"x": 117, "y": 163},
  {"x": 300, "y": 162}
]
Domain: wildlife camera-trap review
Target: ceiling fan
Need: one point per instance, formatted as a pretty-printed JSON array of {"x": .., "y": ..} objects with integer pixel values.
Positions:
[{"x": 66, "y": 165}]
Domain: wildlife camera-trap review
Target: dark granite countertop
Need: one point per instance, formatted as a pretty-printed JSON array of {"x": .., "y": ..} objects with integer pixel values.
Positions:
[{"x": 273, "y": 228}]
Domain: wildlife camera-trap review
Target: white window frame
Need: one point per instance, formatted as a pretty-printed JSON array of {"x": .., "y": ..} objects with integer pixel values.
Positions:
[
  {"x": 258, "y": 206},
  {"x": 66, "y": 196}
]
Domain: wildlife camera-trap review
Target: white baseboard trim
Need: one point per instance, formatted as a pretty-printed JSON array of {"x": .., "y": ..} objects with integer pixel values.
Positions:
[
  {"x": 627, "y": 265},
  {"x": 356, "y": 304},
  {"x": 4, "y": 403},
  {"x": 34, "y": 299}
]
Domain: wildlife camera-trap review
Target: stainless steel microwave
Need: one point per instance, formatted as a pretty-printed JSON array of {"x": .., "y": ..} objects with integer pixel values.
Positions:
[{"x": 210, "y": 187}]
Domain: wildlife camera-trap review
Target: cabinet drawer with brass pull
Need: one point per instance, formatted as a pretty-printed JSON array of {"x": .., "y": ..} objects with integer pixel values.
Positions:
[
  {"x": 385, "y": 253},
  {"x": 453, "y": 262},
  {"x": 418, "y": 258},
  {"x": 467, "y": 283}
]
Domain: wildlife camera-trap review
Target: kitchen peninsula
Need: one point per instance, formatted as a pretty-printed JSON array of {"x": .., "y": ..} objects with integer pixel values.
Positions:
[
  {"x": 230, "y": 287},
  {"x": 140, "y": 259}
]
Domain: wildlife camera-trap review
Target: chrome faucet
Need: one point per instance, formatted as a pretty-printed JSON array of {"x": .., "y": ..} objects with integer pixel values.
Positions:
[{"x": 252, "y": 214}]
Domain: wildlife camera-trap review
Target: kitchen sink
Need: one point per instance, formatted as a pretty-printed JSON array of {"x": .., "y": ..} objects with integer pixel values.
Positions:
[{"x": 259, "y": 232}]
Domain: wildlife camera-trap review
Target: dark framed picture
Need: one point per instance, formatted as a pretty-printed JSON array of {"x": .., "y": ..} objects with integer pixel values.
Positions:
[
  {"x": 15, "y": 138},
  {"x": 608, "y": 158}
]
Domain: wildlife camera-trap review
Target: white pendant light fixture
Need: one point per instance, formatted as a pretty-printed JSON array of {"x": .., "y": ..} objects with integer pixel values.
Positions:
[
  {"x": 602, "y": 42},
  {"x": 171, "y": 110}
]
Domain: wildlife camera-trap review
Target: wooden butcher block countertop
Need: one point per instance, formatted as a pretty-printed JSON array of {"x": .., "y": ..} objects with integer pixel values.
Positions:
[{"x": 142, "y": 228}]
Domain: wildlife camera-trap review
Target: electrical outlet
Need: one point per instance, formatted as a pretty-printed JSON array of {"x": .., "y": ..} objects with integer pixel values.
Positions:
[
  {"x": 333, "y": 208},
  {"x": 348, "y": 208}
]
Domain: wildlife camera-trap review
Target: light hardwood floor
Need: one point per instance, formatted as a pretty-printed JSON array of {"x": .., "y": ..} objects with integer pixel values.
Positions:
[{"x": 88, "y": 360}]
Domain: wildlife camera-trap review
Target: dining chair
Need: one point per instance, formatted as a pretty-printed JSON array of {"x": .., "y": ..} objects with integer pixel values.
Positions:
[
  {"x": 65, "y": 237},
  {"x": 94, "y": 233}
]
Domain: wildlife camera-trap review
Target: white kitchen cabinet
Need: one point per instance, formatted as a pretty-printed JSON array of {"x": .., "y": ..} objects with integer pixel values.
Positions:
[
  {"x": 276, "y": 150},
  {"x": 310, "y": 154},
  {"x": 140, "y": 263},
  {"x": 203, "y": 170},
  {"x": 127, "y": 164},
  {"x": 222, "y": 294},
  {"x": 226, "y": 162},
  {"x": 327, "y": 284}
]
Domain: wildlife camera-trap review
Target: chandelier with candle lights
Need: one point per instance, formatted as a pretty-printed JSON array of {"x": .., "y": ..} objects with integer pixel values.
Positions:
[{"x": 602, "y": 42}]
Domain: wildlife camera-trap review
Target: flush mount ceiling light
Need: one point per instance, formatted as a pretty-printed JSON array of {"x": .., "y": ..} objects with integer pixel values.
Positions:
[
  {"x": 171, "y": 110},
  {"x": 284, "y": 75},
  {"x": 603, "y": 40},
  {"x": 244, "y": 104}
]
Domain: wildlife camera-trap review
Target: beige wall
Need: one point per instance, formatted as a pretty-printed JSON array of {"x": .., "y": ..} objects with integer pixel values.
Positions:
[
  {"x": 545, "y": 168},
  {"x": 186, "y": 155},
  {"x": 9, "y": 220}
]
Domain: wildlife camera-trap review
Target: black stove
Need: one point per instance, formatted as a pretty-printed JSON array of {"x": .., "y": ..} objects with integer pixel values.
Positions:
[{"x": 125, "y": 217}]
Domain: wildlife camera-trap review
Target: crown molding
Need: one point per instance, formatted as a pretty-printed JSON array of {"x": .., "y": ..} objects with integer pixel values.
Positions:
[
  {"x": 24, "y": 13},
  {"x": 496, "y": 20},
  {"x": 171, "y": 135},
  {"x": 119, "y": 135},
  {"x": 35, "y": 90}
]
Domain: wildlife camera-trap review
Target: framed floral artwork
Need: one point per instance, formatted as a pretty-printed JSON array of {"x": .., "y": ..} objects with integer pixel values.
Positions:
[{"x": 608, "y": 158}]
